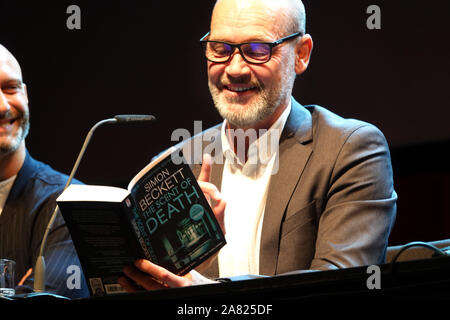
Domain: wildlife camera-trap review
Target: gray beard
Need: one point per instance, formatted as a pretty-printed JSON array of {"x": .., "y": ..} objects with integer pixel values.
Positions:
[
  {"x": 257, "y": 111},
  {"x": 249, "y": 115}
]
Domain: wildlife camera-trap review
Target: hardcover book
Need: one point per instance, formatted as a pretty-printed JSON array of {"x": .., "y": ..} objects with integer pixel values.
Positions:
[{"x": 162, "y": 216}]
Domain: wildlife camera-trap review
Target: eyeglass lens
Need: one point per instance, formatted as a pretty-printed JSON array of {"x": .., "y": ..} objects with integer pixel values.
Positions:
[{"x": 253, "y": 52}]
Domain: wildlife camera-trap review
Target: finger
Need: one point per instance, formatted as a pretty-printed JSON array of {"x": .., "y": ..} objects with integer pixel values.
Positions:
[
  {"x": 161, "y": 274},
  {"x": 25, "y": 277},
  {"x": 205, "y": 172},
  {"x": 219, "y": 213},
  {"x": 144, "y": 280},
  {"x": 219, "y": 204},
  {"x": 127, "y": 285},
  {"x": 210, "y": 190}
]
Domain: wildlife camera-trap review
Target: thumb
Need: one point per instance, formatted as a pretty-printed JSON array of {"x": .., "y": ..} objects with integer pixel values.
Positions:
[{"x": 205, "y": 172}]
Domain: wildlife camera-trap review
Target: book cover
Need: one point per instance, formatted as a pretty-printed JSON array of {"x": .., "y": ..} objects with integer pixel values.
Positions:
[{"x": 163, "y": 217}]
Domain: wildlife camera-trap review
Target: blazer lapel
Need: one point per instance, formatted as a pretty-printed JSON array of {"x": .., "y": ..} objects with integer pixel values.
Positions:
[{"x": 294, "y": 153}]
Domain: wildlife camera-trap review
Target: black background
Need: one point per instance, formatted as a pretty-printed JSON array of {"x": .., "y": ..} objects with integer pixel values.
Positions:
[{"x": 144, "y": 57}]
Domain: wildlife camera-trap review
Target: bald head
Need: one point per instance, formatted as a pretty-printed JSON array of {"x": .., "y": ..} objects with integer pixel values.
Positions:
[
  {"x": 288, "y": 16},
  {"x": 8, "y": 63}
]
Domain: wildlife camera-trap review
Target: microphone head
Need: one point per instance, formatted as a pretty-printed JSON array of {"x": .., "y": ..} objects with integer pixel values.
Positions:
[{"x": 134, "y": 118}]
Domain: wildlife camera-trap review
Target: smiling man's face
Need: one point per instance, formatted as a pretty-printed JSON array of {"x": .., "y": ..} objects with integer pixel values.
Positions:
[
  {"x": 14, "y": 112},
  {"x": 250, "y": 95}
]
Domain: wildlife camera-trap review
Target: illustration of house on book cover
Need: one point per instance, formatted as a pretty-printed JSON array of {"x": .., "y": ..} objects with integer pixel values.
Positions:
[{"x": 191, "y": 241}]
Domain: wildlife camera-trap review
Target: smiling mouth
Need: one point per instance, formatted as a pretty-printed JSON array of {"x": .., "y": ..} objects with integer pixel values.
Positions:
[
  {"x": 239, "y": 89},
  {"x": 6, "y": 122}
]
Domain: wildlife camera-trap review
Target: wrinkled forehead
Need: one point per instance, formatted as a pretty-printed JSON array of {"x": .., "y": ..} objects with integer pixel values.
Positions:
[
  {"x": 258, "y": 19},
  {"x": 9, "y": 67}
]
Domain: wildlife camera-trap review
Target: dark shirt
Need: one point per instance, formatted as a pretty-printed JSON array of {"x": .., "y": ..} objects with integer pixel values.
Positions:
[{"x": 23, "y": 221}]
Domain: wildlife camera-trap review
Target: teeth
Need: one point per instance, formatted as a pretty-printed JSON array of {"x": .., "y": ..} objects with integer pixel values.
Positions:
[{"x": 240, "y": 89}]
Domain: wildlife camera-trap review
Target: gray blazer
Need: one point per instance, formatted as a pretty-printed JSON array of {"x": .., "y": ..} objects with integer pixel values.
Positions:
[{"x": 332, "y": 203}]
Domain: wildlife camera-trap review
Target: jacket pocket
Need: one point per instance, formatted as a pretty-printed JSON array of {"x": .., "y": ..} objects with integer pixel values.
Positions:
[{"x": 304, "y": 216}]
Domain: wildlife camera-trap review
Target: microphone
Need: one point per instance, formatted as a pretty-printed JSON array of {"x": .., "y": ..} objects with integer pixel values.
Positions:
[
  {"x": 134, "y": 118},
  {"x": 39, "y": 270}
]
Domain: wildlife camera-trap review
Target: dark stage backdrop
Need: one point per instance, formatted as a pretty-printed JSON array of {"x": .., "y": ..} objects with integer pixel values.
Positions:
[{"x": 144, "y": 57}]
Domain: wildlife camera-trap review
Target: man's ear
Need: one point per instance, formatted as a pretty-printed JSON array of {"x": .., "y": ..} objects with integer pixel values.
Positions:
[{"x": 303, "y": 51}]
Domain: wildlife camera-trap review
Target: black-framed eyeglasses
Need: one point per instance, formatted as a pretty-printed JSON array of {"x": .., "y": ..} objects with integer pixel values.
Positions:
[{"x": 252, "y": 52}]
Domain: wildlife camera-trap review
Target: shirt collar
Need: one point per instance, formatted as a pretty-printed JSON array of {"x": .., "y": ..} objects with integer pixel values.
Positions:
[{"x": 263, "y": 148}]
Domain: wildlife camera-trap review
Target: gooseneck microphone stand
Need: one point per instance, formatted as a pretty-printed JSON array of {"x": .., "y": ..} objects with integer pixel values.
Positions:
[{"x": 39, "y": 271}]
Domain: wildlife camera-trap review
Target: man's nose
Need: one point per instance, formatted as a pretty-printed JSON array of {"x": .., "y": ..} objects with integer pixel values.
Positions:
[
  {"x": 4, "y": 104},
  {"x": 237, "y": 66}
]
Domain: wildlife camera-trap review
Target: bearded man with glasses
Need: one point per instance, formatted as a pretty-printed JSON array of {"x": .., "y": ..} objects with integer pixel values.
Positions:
[{"x": 323, "y": 200}]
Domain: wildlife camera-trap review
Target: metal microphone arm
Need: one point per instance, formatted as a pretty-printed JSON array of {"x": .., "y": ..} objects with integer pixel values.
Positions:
[{"x": 39, "y": 270}]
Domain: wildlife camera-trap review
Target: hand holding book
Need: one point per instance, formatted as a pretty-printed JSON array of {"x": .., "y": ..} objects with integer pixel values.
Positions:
[{"x": 164, "y": 216}]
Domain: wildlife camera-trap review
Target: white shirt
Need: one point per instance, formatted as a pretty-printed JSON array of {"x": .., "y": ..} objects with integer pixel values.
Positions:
[
  {"x": 5, "y": 188},
  {"x": 244, "y": 188}
]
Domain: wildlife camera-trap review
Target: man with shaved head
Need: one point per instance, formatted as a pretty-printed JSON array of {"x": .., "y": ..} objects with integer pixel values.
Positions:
[
  {"x": 28, "y": 190},
  {"x": 323, "y": 199}
]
